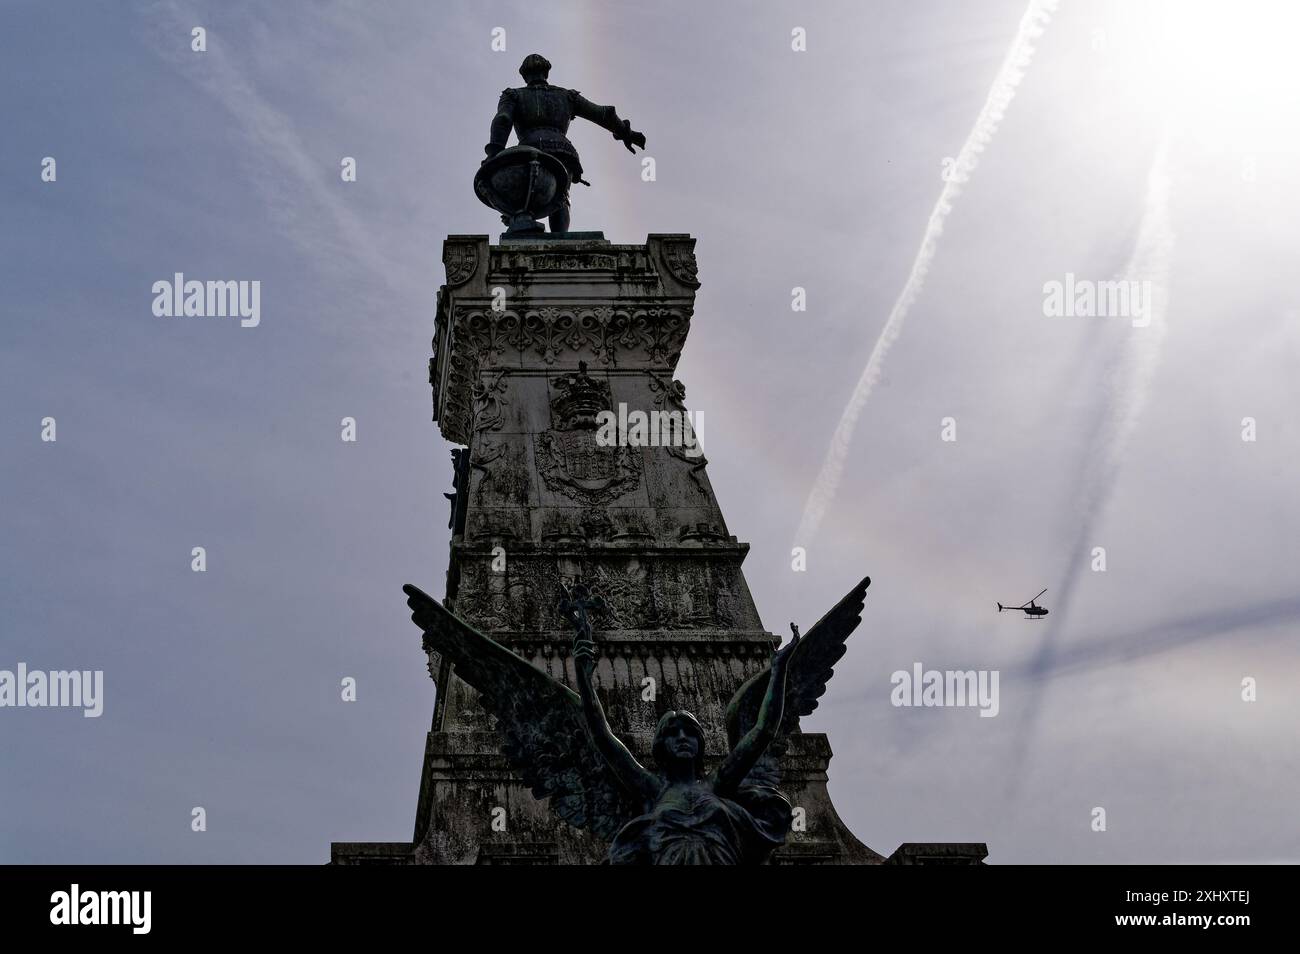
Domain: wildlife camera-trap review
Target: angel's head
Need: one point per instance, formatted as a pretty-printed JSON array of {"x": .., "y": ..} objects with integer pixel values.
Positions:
[{"x": 679, "y": 739}]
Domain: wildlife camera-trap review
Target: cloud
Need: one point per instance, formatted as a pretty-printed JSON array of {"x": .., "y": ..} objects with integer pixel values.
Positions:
[
  {"x": 1162, "y": 637},
  {"x": 278, "y": 156},
  {"x": 1115, "y": 422},
  {"x": 1017, "y": 60}
]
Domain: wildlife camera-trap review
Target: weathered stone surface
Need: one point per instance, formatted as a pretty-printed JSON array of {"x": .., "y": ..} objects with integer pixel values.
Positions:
[{"x": 532, "y": 341}]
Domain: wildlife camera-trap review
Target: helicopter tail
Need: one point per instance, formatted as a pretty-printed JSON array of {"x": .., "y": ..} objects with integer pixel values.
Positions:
[{"x": 999, "y": 607}]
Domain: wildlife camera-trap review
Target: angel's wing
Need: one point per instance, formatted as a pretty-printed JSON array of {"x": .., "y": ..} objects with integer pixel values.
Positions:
[
  {"x": 540, "y": 721},
  {"x": 810, "y": 668}
]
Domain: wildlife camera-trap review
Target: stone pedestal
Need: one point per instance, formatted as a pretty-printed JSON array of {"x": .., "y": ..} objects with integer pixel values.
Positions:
[{"x": 534, "y": 338}]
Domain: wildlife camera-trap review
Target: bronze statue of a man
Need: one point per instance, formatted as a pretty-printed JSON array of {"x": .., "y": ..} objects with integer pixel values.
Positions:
[{"x": 540, "y": 114}]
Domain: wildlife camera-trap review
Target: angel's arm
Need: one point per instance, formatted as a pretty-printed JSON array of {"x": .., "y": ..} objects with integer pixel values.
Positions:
[
  {"x": 631, "y": 774},
  {"x": 754, "y": 743}
]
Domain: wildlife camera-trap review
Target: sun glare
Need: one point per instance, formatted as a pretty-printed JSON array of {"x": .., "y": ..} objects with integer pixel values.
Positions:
[{"x": 1228, "y": 70}]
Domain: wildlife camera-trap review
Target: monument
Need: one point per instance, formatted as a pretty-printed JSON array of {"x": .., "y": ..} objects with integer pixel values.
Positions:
[{"x": 606, "y": 691}]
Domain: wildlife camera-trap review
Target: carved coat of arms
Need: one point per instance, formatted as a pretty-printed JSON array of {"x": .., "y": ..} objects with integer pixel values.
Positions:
[
  {"x": 679, "y": 257},
  {"x": 574, "y": 464},
  {"x": 570, "y": 459},
  {"x": 461, "y": 259}
]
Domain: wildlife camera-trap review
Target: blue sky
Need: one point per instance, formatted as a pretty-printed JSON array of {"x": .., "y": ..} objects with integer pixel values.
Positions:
[{"x": 816, "y": 169}]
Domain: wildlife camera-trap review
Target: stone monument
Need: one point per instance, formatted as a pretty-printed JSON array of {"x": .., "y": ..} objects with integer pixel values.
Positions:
[{"x": 581, "y": 501}]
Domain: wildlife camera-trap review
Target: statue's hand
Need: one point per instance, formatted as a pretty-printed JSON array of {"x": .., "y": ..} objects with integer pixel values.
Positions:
[
  {"x": 492, "y": 149},
  {"x": 781, "y": 658},
  {"x": 631, "y": 137},
  {"x": 584, "y": 657}
]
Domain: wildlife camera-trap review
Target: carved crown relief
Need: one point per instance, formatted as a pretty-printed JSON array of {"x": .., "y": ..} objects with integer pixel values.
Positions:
[
  {"x": 578, "y": 399},
  {"x": 569, "y": 459}
]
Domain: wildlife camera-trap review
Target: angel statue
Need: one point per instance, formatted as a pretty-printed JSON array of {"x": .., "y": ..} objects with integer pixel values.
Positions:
[{"x": 676, "y": 812}]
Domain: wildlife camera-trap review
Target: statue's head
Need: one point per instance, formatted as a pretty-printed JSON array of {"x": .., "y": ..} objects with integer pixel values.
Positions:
[
  {"x": 679, "y": 736},
  {"x": 535, "y": 68}
]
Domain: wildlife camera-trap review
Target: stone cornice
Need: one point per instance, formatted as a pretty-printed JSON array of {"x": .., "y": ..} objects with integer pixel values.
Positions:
[{"x": 613, "y": 306}]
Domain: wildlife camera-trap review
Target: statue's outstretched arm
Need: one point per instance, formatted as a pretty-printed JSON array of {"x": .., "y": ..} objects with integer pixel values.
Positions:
[
  {"x": 631, "y": 774},
  {"x": 607, "y": 118},
  {"x": 754, "y": 743}
]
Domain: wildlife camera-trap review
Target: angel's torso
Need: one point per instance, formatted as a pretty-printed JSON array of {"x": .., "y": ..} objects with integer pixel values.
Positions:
[{"x": 689, "y": 823}]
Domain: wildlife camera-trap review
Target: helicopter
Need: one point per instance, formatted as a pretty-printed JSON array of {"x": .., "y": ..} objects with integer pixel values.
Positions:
[{"x": 1032, "y": 609}]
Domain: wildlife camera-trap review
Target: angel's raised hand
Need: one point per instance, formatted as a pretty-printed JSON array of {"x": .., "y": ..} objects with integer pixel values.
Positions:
[
  {"x": 584, "y": 656},
  {"x": 782, "y": 656}
]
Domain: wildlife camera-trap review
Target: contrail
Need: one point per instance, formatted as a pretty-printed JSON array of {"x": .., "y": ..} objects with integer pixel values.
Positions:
[
  {"x": 277, "y": 146},
  {"x": 999, "y": 98},
  {"x": 1169, "y": 635},
  {"x": 1150, "y": 261}
]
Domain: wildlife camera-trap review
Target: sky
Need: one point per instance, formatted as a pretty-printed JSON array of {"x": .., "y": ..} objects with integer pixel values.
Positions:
[{"x": 1142, "y": 142}]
